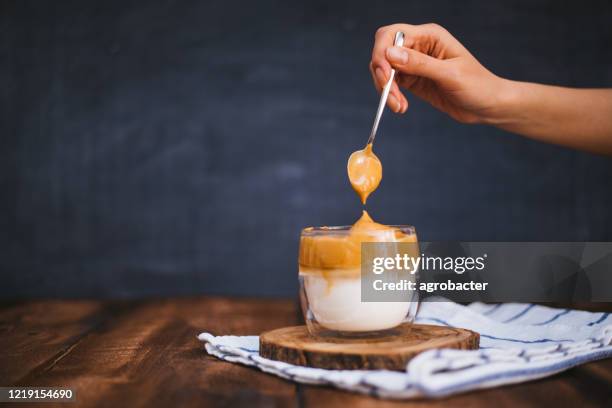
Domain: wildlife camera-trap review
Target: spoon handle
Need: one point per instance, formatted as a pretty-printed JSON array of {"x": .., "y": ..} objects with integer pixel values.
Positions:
[{"x": 399, "y": 41}]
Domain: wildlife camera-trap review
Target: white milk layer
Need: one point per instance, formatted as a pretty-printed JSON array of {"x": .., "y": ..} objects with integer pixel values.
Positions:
[{"x": 338, "y": 306}]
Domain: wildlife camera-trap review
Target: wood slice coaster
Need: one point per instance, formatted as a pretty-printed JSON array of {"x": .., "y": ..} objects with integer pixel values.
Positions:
[{"x": 295, "y": 345}]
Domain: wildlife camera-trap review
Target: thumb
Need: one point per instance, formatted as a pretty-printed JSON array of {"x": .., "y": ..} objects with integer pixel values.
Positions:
[{"x": 412, "y": 62}]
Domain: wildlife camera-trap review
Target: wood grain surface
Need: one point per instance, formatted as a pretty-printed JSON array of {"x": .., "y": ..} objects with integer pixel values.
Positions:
[
  {"x": 145, "y": 353},
  {"x": 391, "y": 352}
]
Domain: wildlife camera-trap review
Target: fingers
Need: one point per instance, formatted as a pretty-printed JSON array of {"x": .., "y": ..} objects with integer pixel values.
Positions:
[
  {"x": 427, "y": 40},
  {"x": 382, "y": 70},
  {"x": 430, "y": 39},
  {"x": 396, "y": 101},
  {"x": 380, "y": 67},
  {"x": 384, "y": 39},
  {"x": 376, "y": 78},
  {"x": 412, "y": 62},
  {"x": 395, "y": 96}
]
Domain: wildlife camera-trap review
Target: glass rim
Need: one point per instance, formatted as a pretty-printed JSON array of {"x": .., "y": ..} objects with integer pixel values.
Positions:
[{"x": 345, "y": 230}]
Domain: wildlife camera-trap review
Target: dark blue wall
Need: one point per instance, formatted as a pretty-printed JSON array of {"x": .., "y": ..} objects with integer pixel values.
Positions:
[{"x": 168, "y": 147}]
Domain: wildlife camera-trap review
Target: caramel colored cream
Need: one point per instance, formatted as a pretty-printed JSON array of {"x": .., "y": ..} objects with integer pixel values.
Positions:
[
  {"x": 335, "y": 255},
  {"x": 364, "y": 171}
]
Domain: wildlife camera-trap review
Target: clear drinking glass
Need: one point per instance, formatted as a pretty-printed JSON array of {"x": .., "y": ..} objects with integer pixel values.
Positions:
[{"x": 330, "y": 284}]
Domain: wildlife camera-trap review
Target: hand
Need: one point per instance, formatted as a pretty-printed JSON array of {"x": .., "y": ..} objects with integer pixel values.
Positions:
[{"x": 434, "y": 66}]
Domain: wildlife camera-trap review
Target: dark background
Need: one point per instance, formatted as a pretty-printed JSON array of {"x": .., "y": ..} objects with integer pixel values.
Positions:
[{"x": 166, "y": 147}]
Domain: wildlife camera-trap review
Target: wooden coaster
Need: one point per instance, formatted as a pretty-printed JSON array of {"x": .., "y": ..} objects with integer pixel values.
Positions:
[{"x": 294, "y": 345}]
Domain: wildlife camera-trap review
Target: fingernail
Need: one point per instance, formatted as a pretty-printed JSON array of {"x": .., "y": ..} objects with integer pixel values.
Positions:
[
  {"x": 397, "y": 54},
  {"x": 395, "y": 104},
  {"x": 380, "y": 76}
]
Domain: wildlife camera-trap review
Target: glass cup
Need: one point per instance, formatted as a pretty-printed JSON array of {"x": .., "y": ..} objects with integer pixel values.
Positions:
[{"x": 330, "y": 283}]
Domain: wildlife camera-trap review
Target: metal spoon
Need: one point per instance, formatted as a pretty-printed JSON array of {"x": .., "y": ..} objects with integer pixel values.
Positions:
[{"x": 398, "y": 42}]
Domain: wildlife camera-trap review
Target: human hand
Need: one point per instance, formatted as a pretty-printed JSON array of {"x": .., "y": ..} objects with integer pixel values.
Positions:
[{"x": 437, "y": 68}]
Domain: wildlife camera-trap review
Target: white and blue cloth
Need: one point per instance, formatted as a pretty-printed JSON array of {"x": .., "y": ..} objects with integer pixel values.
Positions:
[{"x": 518, "y": 342}]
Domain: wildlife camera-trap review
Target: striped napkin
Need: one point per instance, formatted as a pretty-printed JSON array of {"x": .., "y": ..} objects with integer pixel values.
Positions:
[{"x": 518, "y": 342}]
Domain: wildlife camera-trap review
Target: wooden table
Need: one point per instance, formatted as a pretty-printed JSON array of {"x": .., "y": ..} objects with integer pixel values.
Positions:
[{"x": 145, "y": 353}]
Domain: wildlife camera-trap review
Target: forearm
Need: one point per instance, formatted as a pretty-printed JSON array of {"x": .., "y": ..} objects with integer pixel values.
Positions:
[{"x": 577, "y": 118}]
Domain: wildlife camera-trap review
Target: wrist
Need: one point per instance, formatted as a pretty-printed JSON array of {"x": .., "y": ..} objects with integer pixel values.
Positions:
[{"x": 506, "y": 100}]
